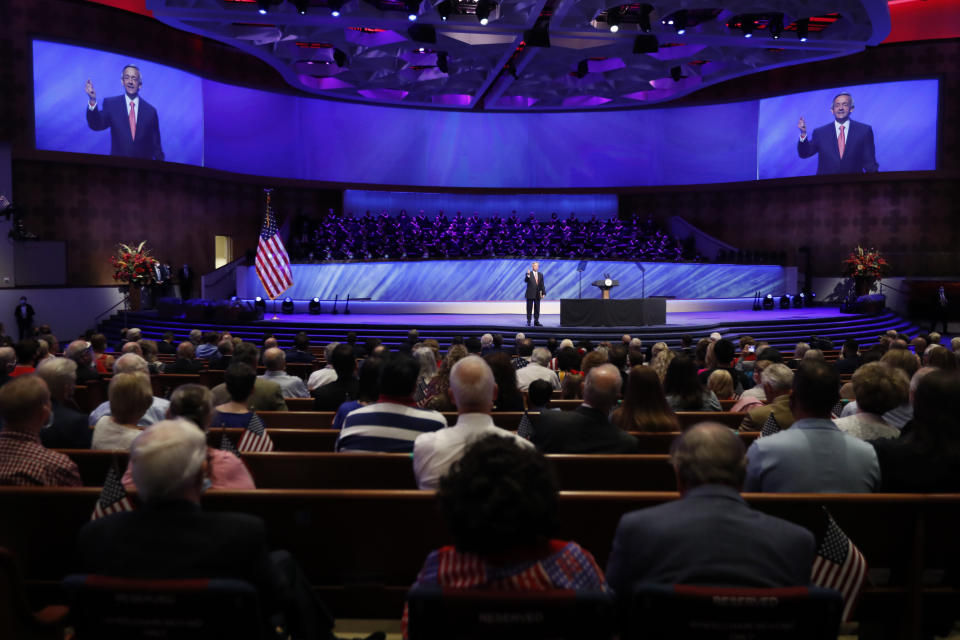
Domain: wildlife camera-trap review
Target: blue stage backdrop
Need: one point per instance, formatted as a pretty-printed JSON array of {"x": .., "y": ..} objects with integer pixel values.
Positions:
[{"x": 496, "y": 280}]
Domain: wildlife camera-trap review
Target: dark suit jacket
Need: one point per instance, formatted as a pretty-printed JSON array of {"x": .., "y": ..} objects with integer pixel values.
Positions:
[
  {"x": 184, "y": 366},
  {"x": 535, "y": 289},
  {"x": 299, "y": 356},
  {"x": 166, "y": 347},
  {"x": 710, "y": 537},
  {"x": 178, "y": 540},
  {"x": 330, "y": 396},
  {"x": 859, "y": 154},
  {"x": 115, "y": 114},
  {"x": 86, "y": 374},
  {"x": 19, "y": 314},
  {"x": 70, "y": 429},
  {"x": 582, "y": 430}
]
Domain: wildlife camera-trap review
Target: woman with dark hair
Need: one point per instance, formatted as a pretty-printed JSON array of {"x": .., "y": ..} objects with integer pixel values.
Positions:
[
  {"x": 368, "y": 389},
  {"x": 509, "y": 397},
  {"x": 102, "y": 360},
  {"x": 683, "y": 389},
  {"x": 926, "y": 458},
  {"x": 499, "y": 502},
  {"x": 644, "y": 406},
  {"x": 240, "y": 379},
  {"x": 568, "y": 361}
]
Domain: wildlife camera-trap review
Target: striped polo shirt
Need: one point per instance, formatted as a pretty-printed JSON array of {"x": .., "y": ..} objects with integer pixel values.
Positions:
[{"x": 389, "y": 425}]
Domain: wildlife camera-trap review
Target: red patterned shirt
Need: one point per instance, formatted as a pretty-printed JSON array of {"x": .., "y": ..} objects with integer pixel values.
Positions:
[{"x": 26, "y": 462}]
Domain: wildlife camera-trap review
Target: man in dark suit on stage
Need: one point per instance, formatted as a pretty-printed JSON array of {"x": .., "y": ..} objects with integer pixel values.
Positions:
[
  {"x": 710, "y": 536},
  {"x": 24, "y": 313},
  {"x": 535, "y": 291},
  {"x": 133, "y": 123},
  {"x": 843, "y": 146}
]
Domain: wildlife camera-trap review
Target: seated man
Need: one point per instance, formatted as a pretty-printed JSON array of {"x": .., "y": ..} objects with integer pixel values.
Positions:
[
  {"x": 79, "y": 352},
  {"x": 777, "y": 381},
  {"x": 69, "y": 428},
  {"x": 132, "y": 363},
  {"x": 207, "y": 349},
  {"x": 724, "y": 351},
  {"x": 343, "y": 386},
  {"x": 587, "y": 429},
  {"x": 538, "y": 369},
  {"x": 171, "y": 537},
  {"x": 275, "y": 361},
  {"x": 473, "y": 391},
  {"x": 266, "y": 394},
  {"x": 24, "y": 409},
  {"x": 710, "y": 536},
  {"x": 186, "y": 361},
  {"x": 301, "y": 349},
  {"x": 813, "y": 455},
  {"x": 393, "y": 422},
  {"x": 327, "y": 374}
]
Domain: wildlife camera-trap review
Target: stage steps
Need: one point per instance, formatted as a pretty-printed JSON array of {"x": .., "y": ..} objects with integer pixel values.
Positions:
[{"x": 781, "y": 333}]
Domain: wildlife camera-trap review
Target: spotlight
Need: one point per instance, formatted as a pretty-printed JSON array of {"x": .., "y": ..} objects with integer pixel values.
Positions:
[
  {"x": 259, "y": 304},
  {"x": 314, "y": 307},
  {"x": 302, "y": 6},
  {"x": 263, "y": 6},
  {"x": 643, "y": 18},
  {"x": 803, "y": 29},
  {"x": 747, "y": 25},
  {"x": 679, "y": 22},
  {"x": 645, "y": 44},
  {"x": 335, "y": 13},
  {"x": 768, "y": 302},
  {"x": 483, "y": 10},
  {"x": 613, "y": 19},
  {"x": 445, "y": 9},
  {"x": 798, "y": 300},
  {"x": 335, "y": 6},
  {"x": 775, "y": 24},
  {"x": 287, "y": 306},
  {"x": 785, "y": 301},
  {"x": 413, "y": 8}
]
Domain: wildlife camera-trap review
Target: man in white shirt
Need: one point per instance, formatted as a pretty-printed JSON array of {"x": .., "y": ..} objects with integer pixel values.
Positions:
[
  {"x": 275, "y": 360},
  {"x": 473, "y": 391},
  {"x": 326, "y": 375},
  {"x": 538, "y": 369}
]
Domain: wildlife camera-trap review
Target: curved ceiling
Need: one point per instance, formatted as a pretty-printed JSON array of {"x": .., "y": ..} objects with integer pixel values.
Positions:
[{"x": 531, "y": 54}]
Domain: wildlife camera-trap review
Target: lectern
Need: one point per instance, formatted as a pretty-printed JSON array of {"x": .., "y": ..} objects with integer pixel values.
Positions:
[{"x": 605, "y": 284}]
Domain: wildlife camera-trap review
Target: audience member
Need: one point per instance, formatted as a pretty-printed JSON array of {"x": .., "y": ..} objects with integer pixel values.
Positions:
[
  {"x": 499, "y": 503},
  {"x": 301, "y": 348},
  {"x": 879, "y": 388},
  {"x": 130, "y": 397},
  {"x": 537, "y": 370},
  {"x": 926, "y": 459},
  {"x": 326, "y": 375},
  {"x": 683, "y": 389},
  {"x": 587, "y": 429},
  {"x": 166, "y": 346},
  {"x": 8, "y": 360},
  {"x": 813, "y": 455},
  {"x": 900, "y": 358},
  {"x": 427, "y": 360},
  {"x": 224, "y": 354},
  {"x": 26, "y": 351},
  {"x": 660, "y": 361},
  {"x": 148, "y": 349},
  {"x": 132, "y": 363},
  {"x": 437, "y": 394},
  {"x": 266, "y": 394},
  {"x": 69, "y": 428},
  {"x": 368, "y": 389},
  {"x": 275, "y": 361},
  {"x": 710, "y": 536},
  {"x": 645, "y": 407},
  {"x": 473, "y": 392},
  {"x": 777, "y": 382},
  {"x": 538, "y": 396},
  {"x": 721, "y": 383},
  {"x": 849, "y": 357},
  {"x": 393, "y": 422},
  {"x": 240, "y": 379},
  {"x": 509, "y": 397},
  {"x": 169, "y": 536},
  {"x": 224, "y": 470},
  {"x": 330, "y": 396},
  {"x": 186, "y": 361},
  {"x": 207, "y": 349},
  {"x": 102, "y": 360},
  {"x": 24, "y": 461},
  {"x": 723, "y": 351},
  {"x": 131, "y": 347}
]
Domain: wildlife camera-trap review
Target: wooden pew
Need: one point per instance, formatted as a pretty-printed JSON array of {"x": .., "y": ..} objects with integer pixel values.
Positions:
[
  {"x": 299, "y": 404},
  {"x": 730, "y": 419},
  {"x": 340, "y": 537}
]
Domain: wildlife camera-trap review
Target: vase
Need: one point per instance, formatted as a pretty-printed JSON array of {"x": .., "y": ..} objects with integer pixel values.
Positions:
[
  {"x": 134, "y": 295},
  {"x": 863, "y": 284}
]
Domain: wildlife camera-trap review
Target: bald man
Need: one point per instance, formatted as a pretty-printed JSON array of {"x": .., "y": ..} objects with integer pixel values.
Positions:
[
  {"x": 587, "y": 428},
  {"x": 700, "y": 539}
]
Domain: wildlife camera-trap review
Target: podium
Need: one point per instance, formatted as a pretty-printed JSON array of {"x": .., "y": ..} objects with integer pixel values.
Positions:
[{"x": 605, "y": 284}]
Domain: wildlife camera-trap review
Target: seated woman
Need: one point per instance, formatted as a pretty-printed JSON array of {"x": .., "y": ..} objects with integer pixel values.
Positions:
[
  {"x": 102, "y": 360},
  {"x": 879, "y": 388},
  {"x": 684, "y": 391},
  {"x": 130, "y": 396},
  {"x": 499, "y": 503},
  {"x": 435, "y": 396},
  {"x": 239, "y": 379},
  {"x": 224, "y": 470},
  {"x": 644, "y": 406},
  {"x": 368, "y": 389},
  {"x": 721, "y": 383}
]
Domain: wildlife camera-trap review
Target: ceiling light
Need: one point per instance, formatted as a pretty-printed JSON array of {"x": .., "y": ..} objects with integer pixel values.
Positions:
[
  {"x": 302, "y": 6},
  {"x": 613, "y": 19},
  {"x": 335, "y": 6},
  {"x": 413, "y": 8},
  {"x": 775, "y": 25},
  {"x": 746, "y": 25},
  {"x": 483, "y": 10},
  {"x": 803, "y": 29},
  {"x": 445, "y": 9},
  {"x": 263, "y": 6}
]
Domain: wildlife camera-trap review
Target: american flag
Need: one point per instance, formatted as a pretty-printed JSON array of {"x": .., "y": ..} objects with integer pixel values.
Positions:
[
  {"x": 525, "y": 428},
  {"x": 837, "y": 409},
  {"x": 273, "y": 263},
  {"x": 421, "y": 391},
  {"x": 255, "y": 437},
  {"x": 839, "y": 565},
  {"x": 770, "y": 426},
  {"x": 226, "y": 444},
  {"x": 113, "y": 498}
]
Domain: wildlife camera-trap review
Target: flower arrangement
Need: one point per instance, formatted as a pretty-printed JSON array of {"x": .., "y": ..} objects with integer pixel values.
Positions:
[
  {"x": 133, "y": 265},
  {"x": 866, "y": 264}
]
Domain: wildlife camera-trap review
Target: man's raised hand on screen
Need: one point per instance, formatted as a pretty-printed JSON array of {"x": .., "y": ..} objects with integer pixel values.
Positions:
[
  {"x": 91, "y": 92},
  {"x": 802, "y": 125}
]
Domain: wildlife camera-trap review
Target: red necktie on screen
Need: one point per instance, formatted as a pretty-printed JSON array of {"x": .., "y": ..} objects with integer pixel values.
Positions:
[
  {"x": 133, "y": 125},
  {"x": 841, "y": 142}
]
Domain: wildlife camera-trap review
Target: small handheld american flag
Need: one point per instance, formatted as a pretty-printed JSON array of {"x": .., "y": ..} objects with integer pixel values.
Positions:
[
  {"x": 255, "y": 437},
  {"x": 113, "y": 497},
  {"x": 770, "y": 426},
  {"x": 839, "y": 565},
  {"x": 273, "y": 263},
  {"x": 525, "y": 427}
]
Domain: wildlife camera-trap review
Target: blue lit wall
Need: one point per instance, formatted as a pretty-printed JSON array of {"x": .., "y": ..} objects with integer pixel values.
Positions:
[{"x": 459, "y": 280}]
